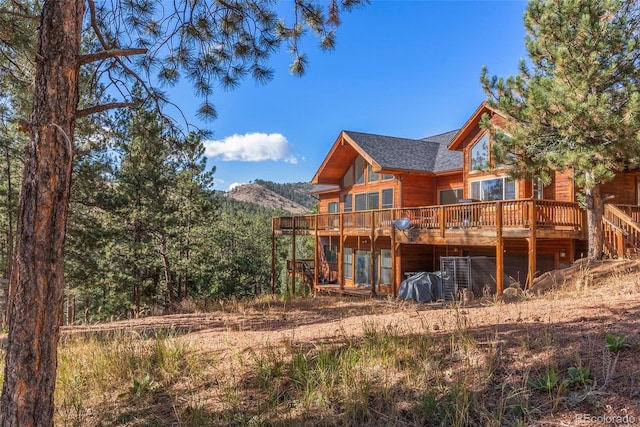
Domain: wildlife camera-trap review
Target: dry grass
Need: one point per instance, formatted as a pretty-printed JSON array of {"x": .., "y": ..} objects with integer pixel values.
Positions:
[{"x": 330, "y": 361}]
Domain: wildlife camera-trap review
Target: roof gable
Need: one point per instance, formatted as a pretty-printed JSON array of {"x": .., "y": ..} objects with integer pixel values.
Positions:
[{"x": 474, "y": 121}]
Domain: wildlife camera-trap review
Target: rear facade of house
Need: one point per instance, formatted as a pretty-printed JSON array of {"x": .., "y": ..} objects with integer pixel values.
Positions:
[{"x": 390, "y": 207}]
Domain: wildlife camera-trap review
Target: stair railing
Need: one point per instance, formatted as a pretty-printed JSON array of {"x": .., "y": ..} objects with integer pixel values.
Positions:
[{"x": 618, "y": 219}]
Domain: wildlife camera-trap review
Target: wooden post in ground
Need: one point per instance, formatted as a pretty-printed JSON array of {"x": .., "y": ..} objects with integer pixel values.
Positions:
[
  {"x": 499, "y": 250},
  {"x": 372, "y": 259},
  {"x": 532, "y": 243},
  {"x": 394, "y": 281},
  {"x": 316, "y": 265},
  {"x": 273, "y": 256},
  {"x": 341, "y": 254},
  {"x": 294, "y": 268}
]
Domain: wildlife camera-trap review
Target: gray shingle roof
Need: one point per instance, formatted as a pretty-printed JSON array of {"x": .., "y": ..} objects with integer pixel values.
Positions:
[{"x": 426, "y": 155}]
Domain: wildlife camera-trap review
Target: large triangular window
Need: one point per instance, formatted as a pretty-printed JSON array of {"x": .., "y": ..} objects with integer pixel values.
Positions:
[{"x": 479, "y": 154}]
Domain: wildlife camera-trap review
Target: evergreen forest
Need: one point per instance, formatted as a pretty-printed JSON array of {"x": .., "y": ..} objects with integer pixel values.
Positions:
[{"x": 147, "y": 234}]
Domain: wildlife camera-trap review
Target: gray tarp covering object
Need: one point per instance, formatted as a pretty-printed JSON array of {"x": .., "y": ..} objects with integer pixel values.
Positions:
[{"x": 422, "y": 287}]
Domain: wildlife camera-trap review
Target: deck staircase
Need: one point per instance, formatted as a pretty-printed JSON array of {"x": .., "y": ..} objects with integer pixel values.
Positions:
[
  {"x": 621, "y": 227},
  {"x": 303, "y": 268},
  {"x": 308, "y": 276}
]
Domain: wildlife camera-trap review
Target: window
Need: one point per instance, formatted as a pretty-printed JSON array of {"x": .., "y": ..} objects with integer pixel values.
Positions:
[
  {"x": 538, "y": 189},
  {"x": 348, "y": 263},
  {"x": 348, "y": 202},
  {"x": 480, "y": 154},
  {"x": 386, "y": 176},
  {"x": 331, "y": 253},
  {"x": 367, "y": 201},
  {"x": 387, "y": 198},
  {"x": 361, "y": 202},
  {"x": 372, "y": 176},
  {"x": 347, "y": 180},
  {"x": 363, "y": 267},
  {"x": 385, "y": 267},
  {"x": 333, "y": 207},
  {"x": 450, "y": 196},
  {"x": 373, "y": 201},
  {"x": 493, "y": 189},
  {"x": 358, "y": 167}
]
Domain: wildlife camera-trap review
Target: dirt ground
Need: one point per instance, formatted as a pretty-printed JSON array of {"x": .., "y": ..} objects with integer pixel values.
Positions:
[{"x": 567, "y": 325}]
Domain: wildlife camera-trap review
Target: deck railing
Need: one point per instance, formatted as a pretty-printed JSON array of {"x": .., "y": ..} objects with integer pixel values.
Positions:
[
  {"x": 547, "y": 214},
  {"x": 619, "y": 216}
]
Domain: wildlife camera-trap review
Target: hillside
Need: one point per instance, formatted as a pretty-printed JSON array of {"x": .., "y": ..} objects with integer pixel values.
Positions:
[
  {"x": 568, "y": 357},
  {"x": 299, "y": 192},
  {"x": 262, "y": 196}
]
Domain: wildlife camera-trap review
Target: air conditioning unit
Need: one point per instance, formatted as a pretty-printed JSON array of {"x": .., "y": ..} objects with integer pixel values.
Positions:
[{"x": 456, "y": 275}]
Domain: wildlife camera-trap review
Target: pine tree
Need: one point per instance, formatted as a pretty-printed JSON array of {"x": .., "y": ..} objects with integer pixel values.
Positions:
[
  {"x": 575, "y": 105},
  {"x": 206, "y": 41}
]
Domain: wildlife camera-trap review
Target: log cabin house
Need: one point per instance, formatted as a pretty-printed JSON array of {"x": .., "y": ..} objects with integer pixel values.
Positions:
[{"x": 389, "y": 207}]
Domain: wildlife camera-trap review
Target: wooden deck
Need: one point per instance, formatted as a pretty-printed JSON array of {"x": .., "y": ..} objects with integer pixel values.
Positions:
[{"x": 444, "y": 223}]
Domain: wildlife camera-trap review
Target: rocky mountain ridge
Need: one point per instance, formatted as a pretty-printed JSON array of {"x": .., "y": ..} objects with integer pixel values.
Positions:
[{"x": 259, "y": 195}]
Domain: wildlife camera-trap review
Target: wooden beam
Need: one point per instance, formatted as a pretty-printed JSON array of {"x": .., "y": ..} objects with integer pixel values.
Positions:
[
  {"x": 316, "y": 264},
  {"x": 273, "y": 257},
  {"x": 394, "y": 279},
  {"x": 499, "y": 250},
  {"x": 372, "y": 260},
  {"x": 295, "y": 264},
  {"x": 341, "y": 254},
  {"x": 532, "y": 243}
]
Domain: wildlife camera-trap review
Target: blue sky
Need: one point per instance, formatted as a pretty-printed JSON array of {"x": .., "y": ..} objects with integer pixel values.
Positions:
[{"x": 407, "y": 68}]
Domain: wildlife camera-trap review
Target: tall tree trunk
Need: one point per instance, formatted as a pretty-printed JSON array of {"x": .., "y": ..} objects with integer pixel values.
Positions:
[
  {"x": 166, "y": 266},
  {"x": 137, "y": 271},
  {"x": 36, "y": 287},
  {"x": 7, "y": 273},
  {"x": 595, "y": 211}
]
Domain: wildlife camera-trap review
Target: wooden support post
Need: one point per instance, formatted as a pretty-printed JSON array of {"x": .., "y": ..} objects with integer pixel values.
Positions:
[
  {"x": 621, "y": 244},
  {"x": 394, "y": 280},
  {"x": 533, "y": 213},
  {"x": 499, "y": 250},
  {"x": 295, "y": 264},
  {"x": 273, "y": 256},
  {"x": 372, "y": 259},
  {"x": 341, "y": 254},
  {"x": 316, "y": 264},
  {"x": 442, "y": 221}
]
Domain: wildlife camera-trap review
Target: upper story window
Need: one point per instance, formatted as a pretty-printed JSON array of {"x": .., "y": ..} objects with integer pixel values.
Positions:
[
  {"x": 538, "y": 188},
  {"x": 347, "y": 179},
  {"x": 333, "y": 207},
  {"x": 387, "y": 198},
  {"x": 359, "y": 168},
  {"x": 348, "y": 203},
  {"x": 372, "y": 176},
  {"x": 450, "y": 196},
  {"x": 367, "y": 201},
  {"x": 479, "y": 154},
  {"x": 359, "y": 171},
  {"x": 493, "y": 189}
]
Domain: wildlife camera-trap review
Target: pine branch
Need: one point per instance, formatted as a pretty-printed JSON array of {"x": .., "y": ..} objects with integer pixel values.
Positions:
[
  {"x": 103, "y": 107},
  {"x": 111, "y": 53},
  {"x": 20, "y": 15}
]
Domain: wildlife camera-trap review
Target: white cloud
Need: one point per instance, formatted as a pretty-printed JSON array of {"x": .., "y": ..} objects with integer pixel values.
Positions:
[
  {"x": 236, "y": 184},
  {"x": 251, "y": 147}
]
